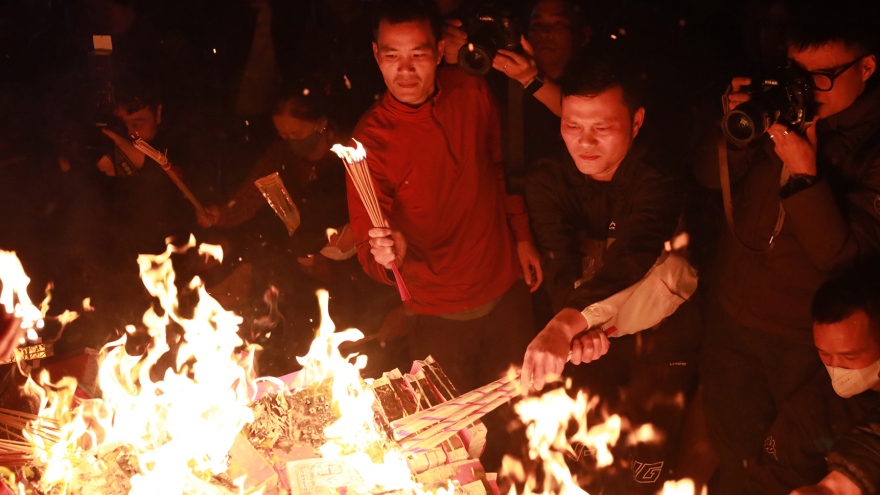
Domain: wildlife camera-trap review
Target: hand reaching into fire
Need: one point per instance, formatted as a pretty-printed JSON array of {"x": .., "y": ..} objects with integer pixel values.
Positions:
[
  {"x": 531, "y": 264},
  {"x": 836, "y": 483},
  {"x": 387, "y": 246},
  {"x": 548, "y": 352}
]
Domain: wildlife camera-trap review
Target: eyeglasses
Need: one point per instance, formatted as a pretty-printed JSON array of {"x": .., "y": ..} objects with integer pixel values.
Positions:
[{"x": 824, "y": 80}]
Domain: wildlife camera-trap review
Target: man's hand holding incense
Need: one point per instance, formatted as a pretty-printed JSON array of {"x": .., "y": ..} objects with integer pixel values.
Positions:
[
  {"x": 589, "y": 346},
  {"x": 548, "y": 352},
  {"x": 387, "y": 246},
  {"x": 530, "y": 261}
]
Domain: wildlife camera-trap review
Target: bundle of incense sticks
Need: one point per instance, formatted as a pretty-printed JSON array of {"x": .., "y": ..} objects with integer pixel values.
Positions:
[
  {"x": 426, "y": 429},
  {"x": 15, "y": 449},
  {"x": 355, "y": 160}
]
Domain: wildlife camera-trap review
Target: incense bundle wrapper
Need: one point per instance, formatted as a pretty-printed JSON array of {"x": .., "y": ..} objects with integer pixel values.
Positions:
[{"x": 278, "y": 198}]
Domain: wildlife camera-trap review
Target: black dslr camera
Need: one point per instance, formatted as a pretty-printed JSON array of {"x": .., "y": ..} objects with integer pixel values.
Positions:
[
  {"x": 786, "y": 97},
  {"x": 489, "y": 31}
]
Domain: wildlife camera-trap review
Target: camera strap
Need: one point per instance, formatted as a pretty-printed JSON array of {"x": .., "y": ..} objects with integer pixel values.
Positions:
[{"x": 724, "y": 170}]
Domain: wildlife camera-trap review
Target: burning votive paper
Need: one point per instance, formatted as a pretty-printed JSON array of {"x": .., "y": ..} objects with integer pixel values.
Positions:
[{"x": 276, "y": 194}]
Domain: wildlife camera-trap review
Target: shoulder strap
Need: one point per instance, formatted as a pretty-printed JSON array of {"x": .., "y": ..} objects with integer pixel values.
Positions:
[{"x": 724, "y": 170}]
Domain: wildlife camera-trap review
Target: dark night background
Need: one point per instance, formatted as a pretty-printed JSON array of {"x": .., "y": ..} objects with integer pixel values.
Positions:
[{"x": 51, "y": 210}]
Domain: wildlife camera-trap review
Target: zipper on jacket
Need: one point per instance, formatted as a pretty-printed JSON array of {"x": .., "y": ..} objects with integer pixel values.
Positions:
[{"x": 445, "y": 136}]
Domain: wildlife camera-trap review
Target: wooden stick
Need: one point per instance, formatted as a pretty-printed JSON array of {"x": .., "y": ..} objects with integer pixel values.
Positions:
[{"x": 163, "y": 162}]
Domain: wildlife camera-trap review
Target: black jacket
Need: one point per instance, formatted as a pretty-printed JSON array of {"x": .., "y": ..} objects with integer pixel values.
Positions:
[
  {"x": 827, "y": 226},
  {"x": 857, "y": 455},
  {"x": 805, "y": 431},
  {"x": 639, "y": 208}
]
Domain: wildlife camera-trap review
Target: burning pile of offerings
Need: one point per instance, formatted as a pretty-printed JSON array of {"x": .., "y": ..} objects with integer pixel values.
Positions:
[
  {"x": 289, "y": 429},
  {"x": 210, "y": 426}
]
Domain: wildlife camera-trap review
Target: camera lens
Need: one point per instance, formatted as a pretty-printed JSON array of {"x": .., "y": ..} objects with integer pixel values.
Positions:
[
  {"x": 739, "y": 126},
  {"x": 749, "y": 120},
  {"x": 475, "y": 59}
]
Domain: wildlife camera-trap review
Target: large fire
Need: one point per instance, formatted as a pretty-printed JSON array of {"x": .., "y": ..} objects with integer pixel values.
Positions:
[{"x": 165, "y": 426}]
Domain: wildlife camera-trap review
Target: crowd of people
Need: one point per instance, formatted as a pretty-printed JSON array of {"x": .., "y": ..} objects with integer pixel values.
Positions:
[{"x": 559, "y": 192}]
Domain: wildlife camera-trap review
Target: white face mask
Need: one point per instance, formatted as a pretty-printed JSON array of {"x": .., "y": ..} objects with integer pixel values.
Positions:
[{"x": 853, "y": 382}]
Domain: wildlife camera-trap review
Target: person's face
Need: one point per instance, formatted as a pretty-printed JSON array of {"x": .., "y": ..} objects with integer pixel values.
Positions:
[
  {"x": 550, "y": 34},
  {"x": 290, "y": 128},
  {"x": 851, "y": 343},
  {"x": 829, "y": 58},
  {"x": 598, "y": 131},
  {"x": 145, "y": 122},
  {"x": 408, "y": 54}
]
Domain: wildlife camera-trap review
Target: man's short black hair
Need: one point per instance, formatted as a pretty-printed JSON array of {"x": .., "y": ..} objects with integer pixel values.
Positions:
[
  {"x": 307, "y": 98},
  {"x": 575, "y": 12},
  {"x": 400, "y": 11},
  {"x": 133, "y": 94},
  {"x": 856, "y": 289},
  {"x": 816, "y": 23},
  {"x": 596, "y": 71}
]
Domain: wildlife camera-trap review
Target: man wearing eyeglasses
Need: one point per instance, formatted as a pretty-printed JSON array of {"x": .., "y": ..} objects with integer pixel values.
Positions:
[{"x": 804, "y": 205}]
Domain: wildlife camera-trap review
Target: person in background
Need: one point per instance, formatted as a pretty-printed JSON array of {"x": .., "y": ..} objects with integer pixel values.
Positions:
[
  {"x": 816, "y": 438},
  {"x": 805, "y": 205},
  {"x": 462, "y": 244},
  {"x": 293, "y": 263},
  {"x": 608, "y": 189},
  {"x": 313, "y": 175},
  {"x": 557, "y": 31}
]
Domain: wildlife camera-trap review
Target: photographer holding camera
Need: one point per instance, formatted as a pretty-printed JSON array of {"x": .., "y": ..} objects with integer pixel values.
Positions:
[
  {"x": 556, "y": 32},
  {"x": 802, "y": 199}
]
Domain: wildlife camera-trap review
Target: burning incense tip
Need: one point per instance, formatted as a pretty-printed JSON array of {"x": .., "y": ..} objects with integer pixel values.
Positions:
[{"x": 349, "y": 154}]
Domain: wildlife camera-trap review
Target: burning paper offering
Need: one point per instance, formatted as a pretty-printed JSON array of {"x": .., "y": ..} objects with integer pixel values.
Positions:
[{"x": 276, "y": 194}]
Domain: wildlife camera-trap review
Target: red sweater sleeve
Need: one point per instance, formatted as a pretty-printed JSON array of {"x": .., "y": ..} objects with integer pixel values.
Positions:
[{"x": 514, "y": 205}]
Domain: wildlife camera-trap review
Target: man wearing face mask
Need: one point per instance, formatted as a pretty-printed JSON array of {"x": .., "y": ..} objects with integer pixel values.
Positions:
[
  {"x": 803, "y": 204},
  {"x": 314, "y": 176},
  {"x": 816, "y": 432}
]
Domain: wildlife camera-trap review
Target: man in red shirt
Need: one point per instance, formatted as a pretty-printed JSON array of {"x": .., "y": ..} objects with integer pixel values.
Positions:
[{"x": 461, "y": 242}]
